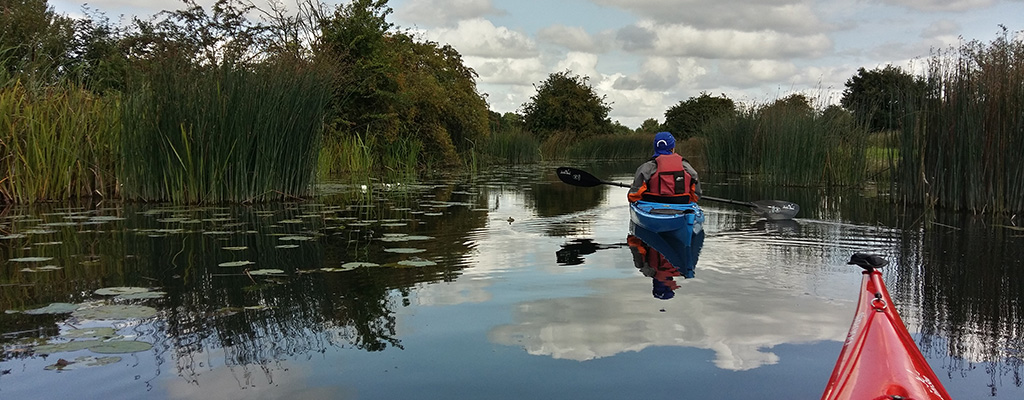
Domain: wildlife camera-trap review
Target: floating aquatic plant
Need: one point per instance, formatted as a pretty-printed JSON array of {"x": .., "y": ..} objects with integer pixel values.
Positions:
[
  {"x": 235, "y": 263},
  {"x": 266, "y": 272},
  {"x": 120, "y": 290},
  {"x": 404, "y": 250},
  {"x": 82, "y": 362},
  {"x": 31, "y": 259},
  {"x": 54, "y": 308},
  {"x": 115, "y": 311}
]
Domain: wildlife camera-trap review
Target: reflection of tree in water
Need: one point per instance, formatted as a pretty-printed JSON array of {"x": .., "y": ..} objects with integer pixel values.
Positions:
[
  {"x": 258, "y": 321},
  {"x": 969, "y": 278}
]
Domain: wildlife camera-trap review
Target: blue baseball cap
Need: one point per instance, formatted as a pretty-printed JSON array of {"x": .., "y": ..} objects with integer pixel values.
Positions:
[{"x": 664, "y": 142}]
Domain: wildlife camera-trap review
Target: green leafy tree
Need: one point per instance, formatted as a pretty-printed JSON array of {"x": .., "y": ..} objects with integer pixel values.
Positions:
[
  {"x": 33, "y": 37},
  {"x": 878, "y": 97},
  {"x": 687, "y": 118},
  {"x": 566, "y": 103},
  {"x": 355, "y": 39},
  {"x": 649, "y": 125},
  {"x": 793, "y": 105}
]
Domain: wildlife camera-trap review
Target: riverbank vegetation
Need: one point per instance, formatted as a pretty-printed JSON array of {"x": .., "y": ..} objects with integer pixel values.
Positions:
[{"x": 205, "y": 105}]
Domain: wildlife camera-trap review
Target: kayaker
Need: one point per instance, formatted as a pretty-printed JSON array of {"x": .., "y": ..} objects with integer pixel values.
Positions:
[{"x": 667, "y": 177}]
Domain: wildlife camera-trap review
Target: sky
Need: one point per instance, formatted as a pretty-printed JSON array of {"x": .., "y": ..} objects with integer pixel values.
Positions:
[{"x": 645, "y": 56}]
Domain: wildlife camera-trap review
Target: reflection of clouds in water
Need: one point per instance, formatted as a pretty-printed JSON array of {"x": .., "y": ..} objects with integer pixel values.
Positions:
[
  {"x": 251, "y": 382},
  {"x": 735, "y": 316},
  {"x": 452, "y": 293}
]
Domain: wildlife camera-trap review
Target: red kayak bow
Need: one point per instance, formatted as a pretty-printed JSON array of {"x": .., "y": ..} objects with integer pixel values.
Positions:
[{"x": 880, "y": 359}]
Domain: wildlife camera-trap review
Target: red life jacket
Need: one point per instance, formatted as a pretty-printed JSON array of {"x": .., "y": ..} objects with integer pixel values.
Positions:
[{"x": 670, "y": 183}]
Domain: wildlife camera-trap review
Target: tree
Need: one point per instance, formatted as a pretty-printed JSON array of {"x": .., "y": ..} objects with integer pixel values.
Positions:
[
  {"x": 649, "y": 125},
  {"x": 687, "y": 118},
  {"x": 33, "y": 37},
  {"x": 566, "y": 103},
  {"x": 793, "y": 105},
  {"x": 878, "y": 97}
]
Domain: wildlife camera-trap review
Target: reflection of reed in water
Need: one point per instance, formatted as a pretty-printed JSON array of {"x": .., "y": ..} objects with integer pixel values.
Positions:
[
  {"x": 251, "y": 321},
  {"x": 966, "y": 279}
]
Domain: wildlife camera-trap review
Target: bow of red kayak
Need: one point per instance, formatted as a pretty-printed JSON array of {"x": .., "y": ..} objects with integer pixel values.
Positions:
[{"x": 879, "y": 359}]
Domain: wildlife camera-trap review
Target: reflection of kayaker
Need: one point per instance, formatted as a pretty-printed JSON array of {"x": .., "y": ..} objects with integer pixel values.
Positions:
[
  {"x": 654, "y": 265},
  {"x": 879, "y": 359},
  {"x": 663, "y": 257}
]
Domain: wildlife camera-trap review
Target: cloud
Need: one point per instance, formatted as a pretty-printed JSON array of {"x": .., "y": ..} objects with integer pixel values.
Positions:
[
  {"x": 582, "y": 64},
  {"x": 508, "y": 71},
  {"x": 480, "y": 37},
  {"x": 750, "y": 73},
  {"x": 787, "y": 16},
  {"x": 683, "y": 40},
  {"x": 621, "y": 317},
  {"x": 445, "y": 12},
  {"x": 941, "y": 5},
  {"x": 572, "y": 38},
  {"x": 941, "y": 28}
]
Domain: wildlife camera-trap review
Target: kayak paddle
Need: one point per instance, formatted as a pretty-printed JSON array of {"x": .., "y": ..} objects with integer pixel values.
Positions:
[{"x": 770, "y": 209}]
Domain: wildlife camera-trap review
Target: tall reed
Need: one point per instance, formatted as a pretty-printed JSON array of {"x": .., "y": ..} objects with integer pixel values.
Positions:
[
  {"x": 961, "y": 146},
  {"x": 511, "y": 145},
  {"x": 788, "y": 145},
  {"x": 57, "y": 142},
  {"x": 568, "y": 145},
  {"x": 225, "y": 133}
]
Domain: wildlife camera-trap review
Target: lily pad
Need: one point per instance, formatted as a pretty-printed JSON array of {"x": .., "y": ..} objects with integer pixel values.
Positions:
[
  {"x": 99, "y": 332},
  {"x": 236, "y": 263},
  {"x": 141, "y": 296},
  {"x": 82, "y": 362},
  {"x": 405, "y": 238},
  {"x": 120, "y": 290},
  {"x": 358, "y": 264},
  {"x": 266, "y": 272},
  {"x": 404, "y": 250},
  {"x": 13, "y": 236},
  {"x": 31, "y": 259},
  {"x": 287, "y": 246},
  {"x": 120, "y": 347},
  {"x": 54, "y": 308},
  {"x": 236, "y": 248},
  {"x": 417, "y": 263},
  {"x": 116, "y": 311},
  {"x": 65, "y": 347},
  {"x": 296, "y": 238}
]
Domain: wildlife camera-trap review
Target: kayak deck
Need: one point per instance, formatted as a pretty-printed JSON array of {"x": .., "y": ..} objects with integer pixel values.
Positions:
[
  {"x": 664, "y": 217},
  {"x": 879, "y": 359}
]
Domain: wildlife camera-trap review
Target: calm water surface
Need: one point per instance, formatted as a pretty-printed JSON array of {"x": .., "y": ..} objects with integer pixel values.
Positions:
[{"x": 507, "y": 284}]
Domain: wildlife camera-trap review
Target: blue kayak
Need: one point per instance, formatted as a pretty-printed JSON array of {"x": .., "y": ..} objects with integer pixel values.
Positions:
[{"x": 682, "y": 220}]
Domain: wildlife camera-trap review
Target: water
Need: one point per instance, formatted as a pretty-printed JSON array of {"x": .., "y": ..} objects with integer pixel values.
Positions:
[{"x": 508, "y": 284}]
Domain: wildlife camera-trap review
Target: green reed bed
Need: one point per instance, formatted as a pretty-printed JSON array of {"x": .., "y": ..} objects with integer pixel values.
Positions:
[
  {"x": 784, "y": 145},
  {"x": 510, "y": 145},
  {"x": 57, "y": 142},
  {"x": 223, "y": 134},
  {"x": 961, "y": 145},
  {"x": 609, "y": 146}
]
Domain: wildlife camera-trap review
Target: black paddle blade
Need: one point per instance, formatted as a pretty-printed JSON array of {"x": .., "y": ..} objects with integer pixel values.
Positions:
[
  {"x": 577, "y": 177},
  {"x": 775, "y": 209}
]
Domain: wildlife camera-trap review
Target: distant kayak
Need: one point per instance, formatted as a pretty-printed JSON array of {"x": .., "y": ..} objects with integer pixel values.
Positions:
[
  {"x": 682, "y": 219},
  {"x": 879, "y": 359}
]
